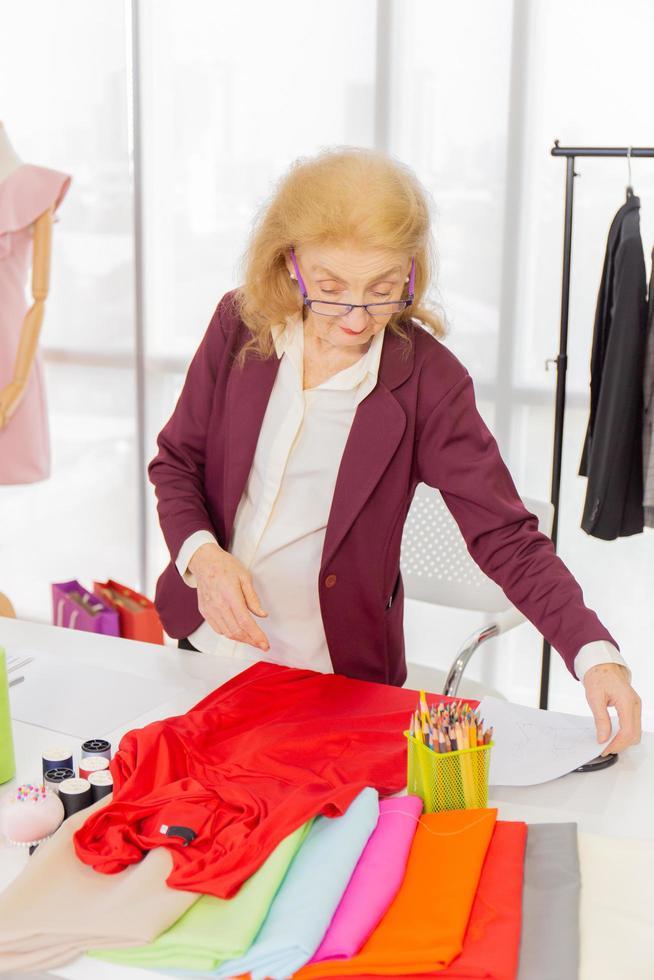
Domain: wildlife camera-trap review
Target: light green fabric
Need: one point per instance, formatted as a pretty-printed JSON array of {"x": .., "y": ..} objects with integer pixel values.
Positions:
[{"x": 216, "y": 929}]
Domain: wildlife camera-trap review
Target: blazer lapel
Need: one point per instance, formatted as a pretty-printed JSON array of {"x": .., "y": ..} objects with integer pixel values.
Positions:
[
  {"x": 377, "y": 428},
  {"x": 248, "y": 394}
]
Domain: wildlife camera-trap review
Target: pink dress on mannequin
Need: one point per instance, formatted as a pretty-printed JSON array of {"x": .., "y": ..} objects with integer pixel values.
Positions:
[{"x": 25, "y": 440}]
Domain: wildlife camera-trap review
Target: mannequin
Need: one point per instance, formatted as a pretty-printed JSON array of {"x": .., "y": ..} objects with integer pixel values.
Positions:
[
  {"x": 29, "y": 196},
  {"x": 9, "y": 159}
]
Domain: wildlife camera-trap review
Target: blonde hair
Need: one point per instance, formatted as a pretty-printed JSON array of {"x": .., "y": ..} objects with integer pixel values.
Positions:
[{"x": 343, "y": 194}]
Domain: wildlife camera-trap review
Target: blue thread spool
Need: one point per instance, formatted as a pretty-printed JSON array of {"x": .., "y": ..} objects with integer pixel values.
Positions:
[{"x": 57, "y": 757}]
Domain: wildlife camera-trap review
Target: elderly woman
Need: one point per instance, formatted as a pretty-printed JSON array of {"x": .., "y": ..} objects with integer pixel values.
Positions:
[{"x": 318, "y": 399}]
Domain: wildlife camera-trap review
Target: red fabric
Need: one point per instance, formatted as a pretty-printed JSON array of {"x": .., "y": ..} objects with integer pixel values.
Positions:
[
  {"x": 491, "y": 947},
  {"x": 244, "y": 768}
]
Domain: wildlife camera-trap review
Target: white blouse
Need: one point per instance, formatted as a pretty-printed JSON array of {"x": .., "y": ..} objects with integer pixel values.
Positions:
[{"x": 281, "y": 520}]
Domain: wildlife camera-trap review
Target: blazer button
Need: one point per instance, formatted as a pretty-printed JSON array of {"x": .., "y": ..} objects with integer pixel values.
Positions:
[{"x": 330, "y": 581}]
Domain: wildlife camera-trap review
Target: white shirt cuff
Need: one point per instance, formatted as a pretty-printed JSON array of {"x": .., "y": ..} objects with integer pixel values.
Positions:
[
  {"x": 186, "y": 552},
  {"x": 597, "y": 652}
]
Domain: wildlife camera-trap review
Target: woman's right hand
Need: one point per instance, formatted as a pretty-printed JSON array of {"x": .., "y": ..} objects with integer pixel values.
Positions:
[{"x": 226, "y": 596}]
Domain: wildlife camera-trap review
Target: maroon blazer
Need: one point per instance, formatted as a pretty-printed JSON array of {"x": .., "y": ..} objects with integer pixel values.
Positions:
[{"x": 419, "y": 424}]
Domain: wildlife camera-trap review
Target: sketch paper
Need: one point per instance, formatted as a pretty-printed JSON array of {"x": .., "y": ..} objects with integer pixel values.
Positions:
[{"x": 533, "y": 746}]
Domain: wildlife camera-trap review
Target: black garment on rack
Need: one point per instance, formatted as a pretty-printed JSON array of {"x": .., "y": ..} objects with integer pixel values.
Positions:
[
  {"x": 612, "y": 454},
  {"x": 648, "y": 410}
]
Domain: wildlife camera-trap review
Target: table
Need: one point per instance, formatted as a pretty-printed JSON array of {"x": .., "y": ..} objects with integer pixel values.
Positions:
[{"x": 617, "y": 801}]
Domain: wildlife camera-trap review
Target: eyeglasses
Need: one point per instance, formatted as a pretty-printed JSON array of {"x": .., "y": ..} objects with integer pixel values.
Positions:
[{"x": 323, "y": 308}]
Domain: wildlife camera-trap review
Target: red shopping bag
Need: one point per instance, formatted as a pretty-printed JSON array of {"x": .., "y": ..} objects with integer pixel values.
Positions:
[{"x": 138, "y": 618}]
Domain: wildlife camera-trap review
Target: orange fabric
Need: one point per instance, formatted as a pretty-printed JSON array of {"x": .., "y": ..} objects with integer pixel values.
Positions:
[
  {"x": 424, "y": 927},
  {"x": 491, "y": 947}
]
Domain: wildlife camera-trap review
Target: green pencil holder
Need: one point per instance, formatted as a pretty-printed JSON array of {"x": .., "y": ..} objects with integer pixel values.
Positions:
[
  {"x": 448, "y": 780},
  {"x": 7, "y": 763}
]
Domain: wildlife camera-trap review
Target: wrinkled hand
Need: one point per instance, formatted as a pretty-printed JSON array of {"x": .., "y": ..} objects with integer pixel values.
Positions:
[
  {"x": 10, "y": 398},
  {"x": 610, "y": 684},
  {"x": 226, "y": 596}
]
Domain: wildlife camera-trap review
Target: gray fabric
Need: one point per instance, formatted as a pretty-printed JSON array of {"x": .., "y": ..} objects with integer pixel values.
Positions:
[
  {"x": 648, "y": 411},
  {"x": 549, "y": 943}
]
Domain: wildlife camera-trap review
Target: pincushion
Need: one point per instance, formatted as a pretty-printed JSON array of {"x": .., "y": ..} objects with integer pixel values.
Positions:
[{"x": 30, "y": 814}]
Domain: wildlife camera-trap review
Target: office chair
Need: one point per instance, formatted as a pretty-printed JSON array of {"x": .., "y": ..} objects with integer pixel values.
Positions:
[{"x": 437, "y": 568}]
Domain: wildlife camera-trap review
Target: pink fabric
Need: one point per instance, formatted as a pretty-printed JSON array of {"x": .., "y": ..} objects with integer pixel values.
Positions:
[
  {"x": 24, "y": 195},
  {"x": 375, "y": 881}
]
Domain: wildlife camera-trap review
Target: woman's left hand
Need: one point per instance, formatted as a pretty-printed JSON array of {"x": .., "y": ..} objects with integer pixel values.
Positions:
[{"x": 609, "y": 684}]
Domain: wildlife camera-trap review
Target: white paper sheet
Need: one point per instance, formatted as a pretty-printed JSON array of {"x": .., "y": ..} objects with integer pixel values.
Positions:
[
  {"x": 79, "y": 700},
  {"x": 533, "y": 746}
]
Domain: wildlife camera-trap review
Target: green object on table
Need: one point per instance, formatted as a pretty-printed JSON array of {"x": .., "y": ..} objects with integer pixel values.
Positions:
[
  {"x": 7, "y": 760},
  {"x": 216, "y": 929}
]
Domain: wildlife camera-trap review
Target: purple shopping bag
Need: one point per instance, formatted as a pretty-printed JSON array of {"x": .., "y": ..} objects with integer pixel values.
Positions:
[{"x": 73, "y": 606}]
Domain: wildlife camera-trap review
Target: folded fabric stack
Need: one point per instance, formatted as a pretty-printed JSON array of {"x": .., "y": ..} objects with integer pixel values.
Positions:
[{"x": 285, "y": 862}]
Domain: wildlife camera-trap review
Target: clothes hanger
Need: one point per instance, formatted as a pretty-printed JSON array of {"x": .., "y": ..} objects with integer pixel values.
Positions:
[{"x": 630, "y": 190}]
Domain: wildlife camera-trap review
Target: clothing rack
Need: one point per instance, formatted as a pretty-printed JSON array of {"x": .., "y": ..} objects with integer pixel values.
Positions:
[{"x": 561, "y": 360}]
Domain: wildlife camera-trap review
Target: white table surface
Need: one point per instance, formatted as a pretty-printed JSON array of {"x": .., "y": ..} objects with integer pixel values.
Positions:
[{"x": 616, "y": 802}]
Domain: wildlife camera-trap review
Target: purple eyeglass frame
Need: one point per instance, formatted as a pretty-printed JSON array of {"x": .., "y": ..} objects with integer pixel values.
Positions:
[{"x": 353, "y": 306}]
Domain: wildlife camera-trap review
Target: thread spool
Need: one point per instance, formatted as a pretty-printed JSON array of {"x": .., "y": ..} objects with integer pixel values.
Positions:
[
  {"x": 56, "y": 757},
  {"x": 97, "y": 746},
  {"x": 92, "y": 763},
  {"x": 75, "y": 794},
  {"x": 102, "y": 784},
  {"x": 53, "y": 778}
]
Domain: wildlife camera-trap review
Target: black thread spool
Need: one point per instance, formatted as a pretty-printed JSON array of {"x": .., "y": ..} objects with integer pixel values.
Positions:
[
  {"x": 102, "y": 784},
  {"x": 75, "y": 794}
]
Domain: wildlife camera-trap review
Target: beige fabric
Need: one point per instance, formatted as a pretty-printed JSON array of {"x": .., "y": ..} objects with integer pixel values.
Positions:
[
  {"x": 616, "y": 913},
  {"x": 58, "y": 907}
]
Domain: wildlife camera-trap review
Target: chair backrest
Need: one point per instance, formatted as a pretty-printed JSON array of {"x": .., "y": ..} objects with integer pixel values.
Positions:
[{"x": 436, "y": 564}]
